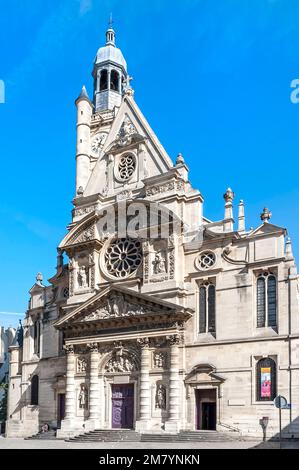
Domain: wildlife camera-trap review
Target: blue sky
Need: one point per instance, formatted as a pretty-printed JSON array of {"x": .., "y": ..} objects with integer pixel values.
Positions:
[{"x": 212, "y": 78}]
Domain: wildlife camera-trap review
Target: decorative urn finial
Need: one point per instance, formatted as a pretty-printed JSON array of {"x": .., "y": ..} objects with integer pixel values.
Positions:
[
  {"x": 266, "y": 215},
  {"x": 179, "y": 159},
  {"x": 39, "y": 278},
  {"x": 229, "y": 195}
]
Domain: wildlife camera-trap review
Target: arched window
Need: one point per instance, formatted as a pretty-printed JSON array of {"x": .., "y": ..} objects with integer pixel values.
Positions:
[
  {"x": 114, "y": 80},
  {"x": 207, "y": 307},
  {"x": 34, "y": 390},
  {"x": 266, "y": 300},
  {"x": 36, "y": 337},
  {"x": 104, "y": 80},
  {"x": 265, "y": 379}
]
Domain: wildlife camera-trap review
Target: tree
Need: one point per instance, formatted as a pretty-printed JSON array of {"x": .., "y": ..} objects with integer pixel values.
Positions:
[{"x": 3, "y": 404}]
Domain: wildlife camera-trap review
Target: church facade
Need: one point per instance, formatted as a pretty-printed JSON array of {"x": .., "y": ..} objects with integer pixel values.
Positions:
[{"x": 157, "y": 319}]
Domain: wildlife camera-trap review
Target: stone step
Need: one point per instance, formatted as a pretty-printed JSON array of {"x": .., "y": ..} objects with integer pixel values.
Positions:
[
  {"x": 105, "y": 435},
  {"x": 188, "y": 436},
  {"x": 49, "y": 435}
]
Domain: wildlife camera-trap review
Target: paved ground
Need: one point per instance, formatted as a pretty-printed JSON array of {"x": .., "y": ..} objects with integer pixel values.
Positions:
[{"x": 58, "y": 444}]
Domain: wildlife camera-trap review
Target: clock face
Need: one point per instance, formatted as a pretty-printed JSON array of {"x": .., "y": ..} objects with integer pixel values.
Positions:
[{"x": 98, "y": 142}]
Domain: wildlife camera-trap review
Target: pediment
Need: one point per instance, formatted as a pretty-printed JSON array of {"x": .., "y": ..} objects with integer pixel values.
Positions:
[
  {"x": 118, "y": 303},
  {"x": 203, "y": 374},
  {"x": 267, "y": 228},
  {"x": 82, "y": 232}
]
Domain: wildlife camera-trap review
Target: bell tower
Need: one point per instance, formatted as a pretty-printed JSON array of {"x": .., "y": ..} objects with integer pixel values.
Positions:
[{"x": 109, "y": 74}]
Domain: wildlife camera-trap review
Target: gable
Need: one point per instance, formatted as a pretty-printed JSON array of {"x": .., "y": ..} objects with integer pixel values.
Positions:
[
  {"x": 117, "y": 302},
  {"x": 129, "y": 129},
  {"x": 266, "y": 229}
]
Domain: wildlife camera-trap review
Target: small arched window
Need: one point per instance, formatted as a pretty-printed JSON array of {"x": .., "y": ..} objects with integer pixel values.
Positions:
[
  {"x": 104, "y": 80},
  {"x": 265, "y": 379},
  {"x": 114, "y": 80},
  {"x": 207, "y": 307},
  {"x": 34, "y": 390},
  {"x": 36, "y": 337},
  {"x": 266, "y": 300}
]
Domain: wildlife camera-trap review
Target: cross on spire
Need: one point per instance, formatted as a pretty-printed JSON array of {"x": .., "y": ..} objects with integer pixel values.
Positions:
[{"x": 110, "y": 22}]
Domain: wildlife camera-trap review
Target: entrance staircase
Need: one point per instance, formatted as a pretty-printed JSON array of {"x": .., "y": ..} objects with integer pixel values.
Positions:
[
  {"x": 51, "y": 434},
  {"x": 191, "y": 436},
  {"x": 113, "y": 435},
  {"x": 116, "y": 435}
]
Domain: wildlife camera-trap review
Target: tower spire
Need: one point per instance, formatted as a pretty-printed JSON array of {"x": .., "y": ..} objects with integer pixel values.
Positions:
[{"x": 110, "y": 33}]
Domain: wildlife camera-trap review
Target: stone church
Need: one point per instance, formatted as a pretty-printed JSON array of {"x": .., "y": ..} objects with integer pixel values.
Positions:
[{"x": 157, "y": 319}]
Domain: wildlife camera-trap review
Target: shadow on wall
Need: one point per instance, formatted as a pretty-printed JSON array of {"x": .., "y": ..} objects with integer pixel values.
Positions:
[{"x": 289, "y": 434}]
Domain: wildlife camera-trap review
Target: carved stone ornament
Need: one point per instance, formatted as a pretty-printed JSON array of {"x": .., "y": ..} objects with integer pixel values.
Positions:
[
  {"x": 127, "y": 129},
  {"x": 82, "y": 277},
  {"x": 159, "y": 360},
  {"x": 159, "y": 263},
  {"x": 116, "y": 305},
  {"x": 83, "y": 397},
  {"x": 143, "y": 342},
  {"x": 84, "y": 210},
  {"x": 82, "y": 364},
  {"x": 98, "y": 142},
  {"x": 170, "y": 186},
  {"x": 120, "y": 362},
  {"x": 93, "y": 347},
  {"x": 160, "y": 397},
  {"x": 69, "y": 348},
  {"x": 174, "y": 340},
  {"x": 85, "y": 234}
]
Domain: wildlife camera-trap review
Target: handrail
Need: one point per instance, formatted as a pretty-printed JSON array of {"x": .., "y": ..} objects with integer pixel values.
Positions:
[{"x": 233, "y": 428}]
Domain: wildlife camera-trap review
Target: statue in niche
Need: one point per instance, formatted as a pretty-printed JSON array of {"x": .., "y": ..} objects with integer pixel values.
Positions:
[
  {"x": 83, "y": 397},
  {"x": 159, "y": 360},
  {"x": 81, "y": 364},
  {"x": 82, "y": 277},
  {"x": 116, "y": 304},
  {"x": 161, "y": 397},
  {"x": 159, "y": 263}
]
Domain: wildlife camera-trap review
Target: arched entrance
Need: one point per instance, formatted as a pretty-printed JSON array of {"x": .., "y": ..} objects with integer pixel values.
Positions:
[{"x": 121, "y": 371}]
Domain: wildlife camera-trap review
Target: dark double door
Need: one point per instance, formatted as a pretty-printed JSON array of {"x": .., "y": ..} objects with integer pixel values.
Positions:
[
  {"x": 122, "y": 406},
  {"x": 206, "y": 410}
]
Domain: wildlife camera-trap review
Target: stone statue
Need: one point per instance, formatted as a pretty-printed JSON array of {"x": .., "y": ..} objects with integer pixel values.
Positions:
[
  {"x": 83, "y": 397},
  {"x": 159, "y": 264},
  {"x": 161, "y": 397},
  {"x": 81, "y": 364},
  {"x": 120, "y": 363},
  {"x": 159, "y": 360},
  {"x": 82, "y": 277}
]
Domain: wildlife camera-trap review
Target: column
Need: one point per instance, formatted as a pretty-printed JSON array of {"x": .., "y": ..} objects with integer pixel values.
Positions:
[
  {"x": 173, "y": 422},
  {"x": 70, "y": 391},
  {"x": 144, "y": 392},
  {"x": 94, "y": 389}
]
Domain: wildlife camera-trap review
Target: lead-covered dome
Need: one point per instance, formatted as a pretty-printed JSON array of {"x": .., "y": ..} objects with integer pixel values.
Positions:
[{"x": 110, "y": 52}]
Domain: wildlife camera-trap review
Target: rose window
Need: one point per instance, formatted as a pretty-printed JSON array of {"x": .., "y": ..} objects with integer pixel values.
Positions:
[
  {"x": 123, "y": 257},
  {"x": 126, "y": 167},
  {"x": 206, "y": 260}
]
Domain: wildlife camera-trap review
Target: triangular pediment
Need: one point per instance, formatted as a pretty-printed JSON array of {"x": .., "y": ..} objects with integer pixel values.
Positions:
[
  {"x": 115, "y": 302},
  {"x": 203, "y": 374},
  {"x": 267, "y": 228},
  {"x": 129, "y": 128}
]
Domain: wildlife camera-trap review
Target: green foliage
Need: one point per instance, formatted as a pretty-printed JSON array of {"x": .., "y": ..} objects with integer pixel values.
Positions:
[{"x": 3, "y": 402}]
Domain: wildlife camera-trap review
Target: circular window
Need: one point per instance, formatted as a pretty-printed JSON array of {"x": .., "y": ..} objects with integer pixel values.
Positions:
[
  {"x": 126, "y": 166},
  {"x": 123, "y": 257},
  {"x": 206, "y": 260}
]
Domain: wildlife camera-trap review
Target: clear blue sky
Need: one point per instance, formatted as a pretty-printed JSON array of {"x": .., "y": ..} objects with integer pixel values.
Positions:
[{"x": 212, "y": 77}]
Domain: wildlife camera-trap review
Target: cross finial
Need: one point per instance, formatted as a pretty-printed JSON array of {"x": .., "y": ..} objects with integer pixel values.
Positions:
[{"x": 110, "y": 23}]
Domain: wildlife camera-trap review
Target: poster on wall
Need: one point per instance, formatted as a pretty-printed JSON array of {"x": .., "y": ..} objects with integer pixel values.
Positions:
[{"x": 266, "y": 382}]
